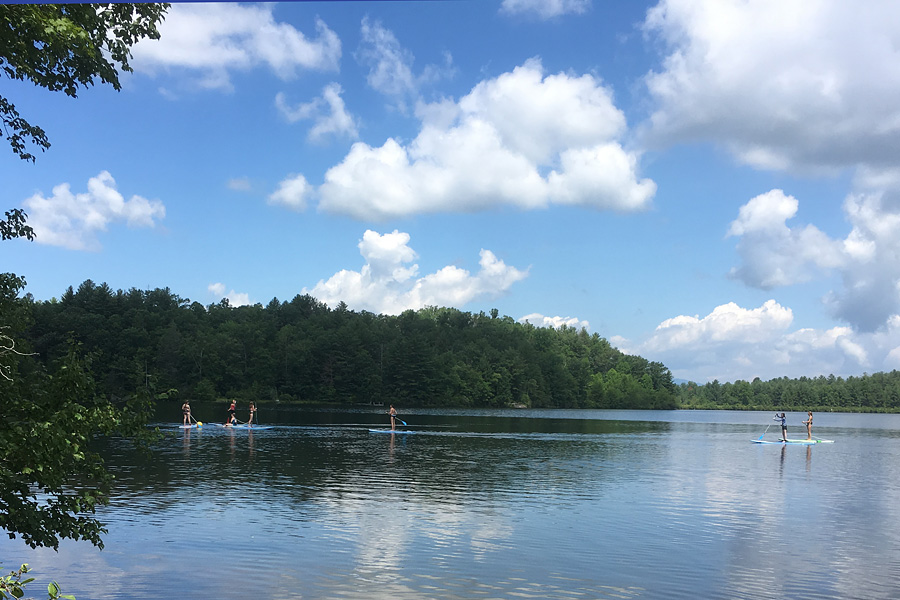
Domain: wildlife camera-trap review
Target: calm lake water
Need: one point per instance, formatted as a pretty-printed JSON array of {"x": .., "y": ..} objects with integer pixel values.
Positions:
[{"x": 496, "y": 504}]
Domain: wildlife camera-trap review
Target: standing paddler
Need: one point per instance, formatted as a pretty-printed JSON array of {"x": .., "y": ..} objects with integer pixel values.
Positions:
[{"x": 783, "y": 418}]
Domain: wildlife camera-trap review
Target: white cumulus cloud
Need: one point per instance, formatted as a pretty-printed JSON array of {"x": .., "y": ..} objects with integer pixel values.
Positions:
[
  {"x": 539, "y": 320},
  {"x": 784, "y": 84},
  {"x": 388, "y": 283},
  {"x": 73, "y": 220},
  {"x": 728, "y": 322},
  {"x": 775, "y": 254},
  {"x": 234, "y": 298},
  {"x": 292, "y": 193},
  {"x": 733, "y": 342},
  {"x": 210, "y": 40},
  {"x": 492, "y": 148}
]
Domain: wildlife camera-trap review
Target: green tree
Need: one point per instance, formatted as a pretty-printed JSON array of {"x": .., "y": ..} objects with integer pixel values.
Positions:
[
  {"x": 50, "y": 479},
  {"x": 64, "y": 47}
]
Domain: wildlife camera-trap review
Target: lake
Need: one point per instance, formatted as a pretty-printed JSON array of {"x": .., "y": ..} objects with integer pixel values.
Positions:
[{"x": 495, "y": 504}]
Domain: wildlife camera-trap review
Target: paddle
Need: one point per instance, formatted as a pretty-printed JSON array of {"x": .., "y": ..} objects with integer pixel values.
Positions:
[{"x": 764, "y": 432}]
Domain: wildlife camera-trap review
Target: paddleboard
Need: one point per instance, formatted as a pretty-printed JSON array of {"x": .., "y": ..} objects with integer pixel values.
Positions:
[
  {"x": 390, "y": 431},
  {"x": 254, "y": 428},
  {"x": 188, "y": 426},
  {"x": 790, "y": 441}
]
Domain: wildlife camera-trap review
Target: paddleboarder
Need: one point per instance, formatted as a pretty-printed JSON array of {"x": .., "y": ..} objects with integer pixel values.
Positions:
[
  {"x": 783, "y": 425},
  {"x": 186, "y": 411},
  {"x": 808, "y": 423},
  {"x": 252, "y": 414},
  {"x": 393, "y": 413},
  {"x": 232, "y": 420}
]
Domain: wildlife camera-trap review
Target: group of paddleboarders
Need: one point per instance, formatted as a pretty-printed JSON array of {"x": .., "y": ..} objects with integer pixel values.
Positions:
[
  {"x": 232, "y": 420},
  {"x": 783, "y": 418}
]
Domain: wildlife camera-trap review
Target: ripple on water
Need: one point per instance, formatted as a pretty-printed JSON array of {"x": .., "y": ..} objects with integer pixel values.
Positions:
[{"x": 610, "y": 510}]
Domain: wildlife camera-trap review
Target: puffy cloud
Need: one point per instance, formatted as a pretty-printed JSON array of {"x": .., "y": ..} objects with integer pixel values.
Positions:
[
  {"x": 539, "y": 320},
  {"x": 328, "y": 113},
  {"x": 726, "y": 323},
  {"x": 234, "y": 298},
  {"x": 545, "y": 9},
  {"x": 213, "y": 39},
  {"x": 388, "y": 283},
  {"x": 785, "y": 84},
  {"x": 539, "y": 115},
  {"x": 73, "y": 220},
  {"x": 738, "y": 343},
  {"x": 292, "y": 193},
  {"x": 868, "y": 259},
  {"x": 870, "y": 296},
  {"x": 491, "y": 149},
  {"x": 774, "y": 254}
]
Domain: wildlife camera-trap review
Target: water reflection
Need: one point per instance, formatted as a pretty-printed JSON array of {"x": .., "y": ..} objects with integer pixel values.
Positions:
[{"x": 494, "y": 506}]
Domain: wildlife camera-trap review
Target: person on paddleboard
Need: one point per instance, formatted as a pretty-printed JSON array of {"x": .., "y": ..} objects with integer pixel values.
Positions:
[
  {"x": 393, "y": 413},
  {"x": 808, "y": 423},
  {"x": 186, "y": 411},
  {"x": 232, "y": 420},
  {"x": 252, "y": 414},
  {"x": 783, "y": 425}
]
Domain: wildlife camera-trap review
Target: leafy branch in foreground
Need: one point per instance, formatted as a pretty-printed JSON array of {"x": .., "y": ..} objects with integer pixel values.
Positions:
[
  {"x": 12, "y": 586},
  {"x": 13, "y": 226},
  {"x": 63, "y": 47},
  {"x": 51, "y": 481}
]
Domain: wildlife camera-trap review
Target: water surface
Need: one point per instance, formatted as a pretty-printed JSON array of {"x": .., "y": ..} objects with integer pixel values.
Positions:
[{"x": 497, "y": 504}]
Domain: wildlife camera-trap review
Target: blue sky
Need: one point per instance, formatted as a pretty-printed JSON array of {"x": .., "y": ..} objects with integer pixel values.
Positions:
[{"x": 707, "y": 183}]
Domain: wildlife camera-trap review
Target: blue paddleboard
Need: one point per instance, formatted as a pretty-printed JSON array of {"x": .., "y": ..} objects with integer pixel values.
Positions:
[
  {"x": 390, "y": 431},
  {"x": 790, "y": 441}
]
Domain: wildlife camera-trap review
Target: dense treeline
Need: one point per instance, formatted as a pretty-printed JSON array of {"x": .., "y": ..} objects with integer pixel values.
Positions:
[
  {"x": 879, "y": 392},
  {"x": 303, "y": 350}
]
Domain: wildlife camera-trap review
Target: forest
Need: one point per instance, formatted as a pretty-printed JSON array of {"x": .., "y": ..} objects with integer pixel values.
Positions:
[
  {"x": 304, "y": 351},
  {"x": 878, "y": 392}
]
